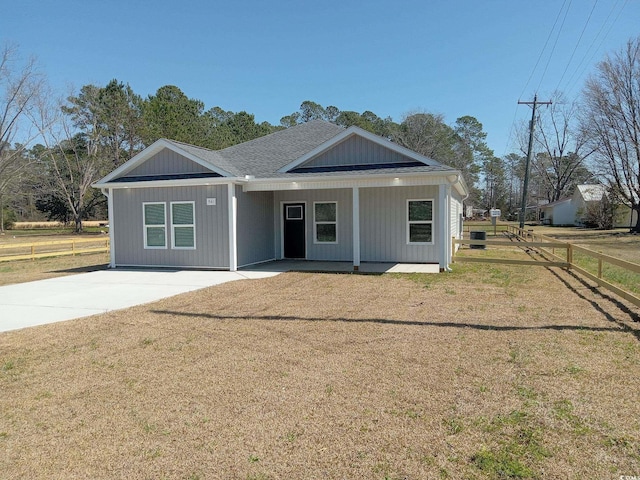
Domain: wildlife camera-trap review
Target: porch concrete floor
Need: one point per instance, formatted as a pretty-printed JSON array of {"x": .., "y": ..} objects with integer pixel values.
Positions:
[{"x": 346, "y": 267}]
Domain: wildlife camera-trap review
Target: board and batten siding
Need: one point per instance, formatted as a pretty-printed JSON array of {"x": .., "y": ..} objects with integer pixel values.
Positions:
[
  {"x": 383, "y": 225},
  {"x": 356, "y": 150},
  {"x": 255, "y": 236},
  {"x": 456, "y": 216},
  {"x": 340, "y": 251},
  {"x": 167, "y": 162},
  {"x": 211, "y": 225}
]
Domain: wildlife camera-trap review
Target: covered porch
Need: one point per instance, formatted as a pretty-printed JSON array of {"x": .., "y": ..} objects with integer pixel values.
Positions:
[{"x": 319, "y": 266}]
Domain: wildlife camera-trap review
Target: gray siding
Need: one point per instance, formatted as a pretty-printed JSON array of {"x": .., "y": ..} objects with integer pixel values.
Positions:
[
  {"x": 254, "y": 227},
  {"x": 341, "y": 251},
  {"x": 167, "y": 162},
  {"x": 211, "y": 223},
  {"x": 383, "y": 225},
  {"x": 356, "y": 151}
]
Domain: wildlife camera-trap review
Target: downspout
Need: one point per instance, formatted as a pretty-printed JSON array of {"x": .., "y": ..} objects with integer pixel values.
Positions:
[{"x": 112, "y": 245}]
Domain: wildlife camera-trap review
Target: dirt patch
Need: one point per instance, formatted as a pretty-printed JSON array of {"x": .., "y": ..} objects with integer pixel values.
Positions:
[{"x": 488, "y": 372}]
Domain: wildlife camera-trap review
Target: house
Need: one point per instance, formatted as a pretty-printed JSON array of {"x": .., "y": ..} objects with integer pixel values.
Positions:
[
  {"x": 561, "y": 212},
  {"x": 316, "y": 191},
  {"x": 572, "y": 211}
]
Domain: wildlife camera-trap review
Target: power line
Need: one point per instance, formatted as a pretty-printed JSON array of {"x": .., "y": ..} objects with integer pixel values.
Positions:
[
  {"x": 554, "y": 46},
  {"x": 543, "y": 48},
  {"x": 577, "y": 43},
  {"x": 597, "y": 48}
]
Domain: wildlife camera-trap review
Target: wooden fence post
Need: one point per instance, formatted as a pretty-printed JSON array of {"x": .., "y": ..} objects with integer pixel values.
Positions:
[{"x": 599, "y": 267}]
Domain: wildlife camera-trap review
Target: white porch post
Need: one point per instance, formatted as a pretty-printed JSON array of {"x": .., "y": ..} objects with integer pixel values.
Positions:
[
  {"x": 356, "y": 228},
  {"x": 233, "y": 246},
  {"x": 112, "y": 232},
  {"x": 442, "y": 227}
]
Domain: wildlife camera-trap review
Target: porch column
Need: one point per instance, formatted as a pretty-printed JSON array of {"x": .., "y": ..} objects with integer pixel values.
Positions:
[
  {"x": 112, "y": 231},
  {"x": 233, "y": 246},
  {"x": 442, "y": 234},
  {"x": 356, "y": 228}
]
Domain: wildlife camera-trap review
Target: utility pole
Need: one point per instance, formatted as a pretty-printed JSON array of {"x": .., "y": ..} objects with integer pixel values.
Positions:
[{"x": 523, "y": 205}]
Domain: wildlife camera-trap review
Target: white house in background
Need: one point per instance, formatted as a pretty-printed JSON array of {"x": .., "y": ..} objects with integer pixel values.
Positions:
[
  {"x": 572, "y": 211},
  {"x": 316, "y": 191}
]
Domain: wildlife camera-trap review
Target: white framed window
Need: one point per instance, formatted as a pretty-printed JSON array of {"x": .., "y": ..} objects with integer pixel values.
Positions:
[
  {"x": 420, "y": 222},
  {"x": 183, "y": 225},
  {"x": 294, "y": 212},
  {"x": 325, "y": 222},
  {"x": 155, "y": 224}
]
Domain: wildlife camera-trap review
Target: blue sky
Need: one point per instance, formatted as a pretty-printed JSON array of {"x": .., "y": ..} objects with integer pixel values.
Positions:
[{"x": 266, "y": 57}]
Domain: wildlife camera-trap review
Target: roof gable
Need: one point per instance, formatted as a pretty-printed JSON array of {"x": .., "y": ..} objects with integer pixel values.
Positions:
[
  {"x": 356, "y": 153},
  {"x": 161, "y": 162},
  {"x": 591, "y": 193},
  {"x": 167, "y": 162},
  {"x": 354, "y": 149}
]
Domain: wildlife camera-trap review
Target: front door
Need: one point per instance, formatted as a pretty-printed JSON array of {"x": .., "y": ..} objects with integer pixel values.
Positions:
[{"x": 294, "y": 231}]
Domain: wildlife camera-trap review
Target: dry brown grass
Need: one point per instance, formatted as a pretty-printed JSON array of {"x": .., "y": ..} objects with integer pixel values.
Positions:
[
  {"x": 488, "y": 372},
  {"x": 31, "y": 270},
  {"x": 618, "y": 243}
]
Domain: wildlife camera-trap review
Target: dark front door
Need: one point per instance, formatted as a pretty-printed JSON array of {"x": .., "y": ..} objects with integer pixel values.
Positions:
[{"x": 294, "y": 231}]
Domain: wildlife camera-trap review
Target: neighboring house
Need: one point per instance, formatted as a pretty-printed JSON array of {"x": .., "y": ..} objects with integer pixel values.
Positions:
[
  {"x": 561, "y": 212},
  {"x": 572, "y": 211},
  {"x": 316, "y": 191}
]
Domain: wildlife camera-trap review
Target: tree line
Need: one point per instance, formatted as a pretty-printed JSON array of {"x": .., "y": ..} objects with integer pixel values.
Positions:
[{"x": 51, "y": 151}]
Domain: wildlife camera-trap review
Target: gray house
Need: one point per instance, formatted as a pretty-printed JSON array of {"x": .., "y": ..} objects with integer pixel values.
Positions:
[{"x": 316, "y": 191}]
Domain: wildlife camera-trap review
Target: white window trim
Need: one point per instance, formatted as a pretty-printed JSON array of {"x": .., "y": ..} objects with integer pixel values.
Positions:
[
  {"x": 433, "y": 236},
  {"x": 301, "y": 217},
  {"x": 316, "y": 223},
  {"x": 145, "y": 226},
  {"x": 173, "y": 227}
]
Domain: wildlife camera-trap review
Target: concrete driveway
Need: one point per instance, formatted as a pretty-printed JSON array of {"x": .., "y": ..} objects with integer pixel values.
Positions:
[{"x": 64, "y": 298}]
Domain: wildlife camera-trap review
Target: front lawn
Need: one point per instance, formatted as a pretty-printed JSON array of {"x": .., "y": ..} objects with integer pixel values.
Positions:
[{"x": 486, "y": 372}]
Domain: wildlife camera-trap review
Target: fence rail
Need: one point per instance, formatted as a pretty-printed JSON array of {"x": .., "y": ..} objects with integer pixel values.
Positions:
[
  {"x": 53, "y": 248},
  {"x": 548, "y": 245}
]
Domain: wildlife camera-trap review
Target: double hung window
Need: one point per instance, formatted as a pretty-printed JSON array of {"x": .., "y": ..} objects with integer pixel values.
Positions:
[
  {"x": 325, "y": 222},
  {"x": 420, "y": 222},
  {"x": 155, "y": 225},
  {"x": 183, "y": 227}
]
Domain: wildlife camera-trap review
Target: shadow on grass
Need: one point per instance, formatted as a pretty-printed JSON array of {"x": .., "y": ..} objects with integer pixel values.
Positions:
[
  {"x": 633, "y": 316},
  {"x": 386, "y": 321}
]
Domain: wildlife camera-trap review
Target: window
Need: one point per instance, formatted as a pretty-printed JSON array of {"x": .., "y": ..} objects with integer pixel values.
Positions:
[
  {"x": 325, "y": 222},
  {"x": 183, "y": 227},
  {"x": 420, "y": 221},
  {"x": 294, "y": 212},
  {"x": 155, "y": 226}
]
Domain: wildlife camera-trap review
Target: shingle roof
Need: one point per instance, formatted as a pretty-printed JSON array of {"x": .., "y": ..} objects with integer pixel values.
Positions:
[{"x": 264, "y": 156}]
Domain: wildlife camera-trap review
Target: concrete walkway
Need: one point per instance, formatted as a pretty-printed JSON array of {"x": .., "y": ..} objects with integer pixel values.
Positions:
[
  {"x": 74, "y": 296},
  {"x": 64, "y": 298}
]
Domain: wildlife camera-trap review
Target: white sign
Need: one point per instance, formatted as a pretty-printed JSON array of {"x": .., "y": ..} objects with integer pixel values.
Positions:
[
  {"x": 495, "y": 212},
  {"x": 211, "y": 201}
]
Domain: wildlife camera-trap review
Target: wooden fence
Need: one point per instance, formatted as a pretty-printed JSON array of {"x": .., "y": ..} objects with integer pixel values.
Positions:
[
  {"x": 53, "y": 248},
  {"x": 548, "y": 245}
]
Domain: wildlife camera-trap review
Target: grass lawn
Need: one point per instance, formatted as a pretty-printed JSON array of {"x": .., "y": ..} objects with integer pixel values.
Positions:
[
  {"x": 486, "y": 372},
  {"x": 39, "y": 269}
]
